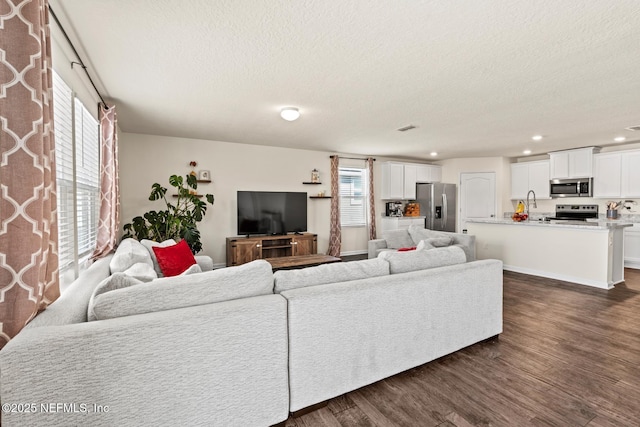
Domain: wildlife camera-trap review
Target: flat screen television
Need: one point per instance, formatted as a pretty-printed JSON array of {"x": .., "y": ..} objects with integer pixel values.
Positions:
[{"x": 271, "y": 212}]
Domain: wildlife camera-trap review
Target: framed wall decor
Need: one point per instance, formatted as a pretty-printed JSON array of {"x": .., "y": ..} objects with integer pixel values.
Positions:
[{"x": 204, "y": 175}]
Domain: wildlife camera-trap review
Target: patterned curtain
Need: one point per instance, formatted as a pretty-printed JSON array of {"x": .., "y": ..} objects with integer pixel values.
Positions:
[
  {"x": 335, "y": 233},
  {"x": 28, "y": 221},
  {"x": 109, "y": 186},
  {"x": 372, "y": 201}
]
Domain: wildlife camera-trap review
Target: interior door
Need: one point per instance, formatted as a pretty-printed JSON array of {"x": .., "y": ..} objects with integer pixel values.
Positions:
[{"x": 477, "y": 197}]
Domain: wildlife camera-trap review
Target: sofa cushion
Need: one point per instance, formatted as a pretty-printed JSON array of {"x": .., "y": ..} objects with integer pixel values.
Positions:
[
  {"x": 424, "y": 245},
  {"x": 418, "y": 233},
  {"x": 128, "y": 253},
  {"x": 329, "y": 273},
  {"x": 150, "y": 244},
  {"x": 174, "y": 259},
  {"x": 141, "y": 271},
  {"x": 440, "y": 242},
  {"x": 111, "y": 283},
  {"x": 402, "y": 262},
  {"x": 247, "y": 280},
  {"x": 398, "y": 239}
]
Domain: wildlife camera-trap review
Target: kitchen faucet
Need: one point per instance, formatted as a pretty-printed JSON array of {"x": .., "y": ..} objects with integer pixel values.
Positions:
[{"x": 535, "y": 205}]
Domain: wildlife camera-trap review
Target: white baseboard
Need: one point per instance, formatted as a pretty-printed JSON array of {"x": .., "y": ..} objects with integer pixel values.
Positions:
[
  {"x": 632, "y": 263},
  {"x": 563, "y": 277}
]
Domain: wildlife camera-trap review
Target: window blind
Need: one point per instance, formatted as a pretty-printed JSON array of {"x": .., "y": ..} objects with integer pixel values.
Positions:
[
  {"x": 353, "y": 197},
  {"x": 77, "y": 178}
]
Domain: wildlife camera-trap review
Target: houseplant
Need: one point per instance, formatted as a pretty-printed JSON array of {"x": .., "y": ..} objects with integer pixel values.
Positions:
[{"x": 179, "y": 220}]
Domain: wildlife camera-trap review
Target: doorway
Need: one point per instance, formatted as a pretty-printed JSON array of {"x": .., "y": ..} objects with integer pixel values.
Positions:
[{"x": 477, "y": 197}]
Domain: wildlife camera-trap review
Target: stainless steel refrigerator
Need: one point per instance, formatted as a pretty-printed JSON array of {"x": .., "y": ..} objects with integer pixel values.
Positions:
[{"x": 438, "y": 204}]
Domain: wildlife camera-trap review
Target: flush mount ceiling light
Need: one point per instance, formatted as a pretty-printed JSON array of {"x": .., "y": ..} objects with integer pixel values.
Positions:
[
  {"x": 527, "y": 152},
  {"x": 433, "y": 154},
  {"x": 536, "y": 137},
  {"x": 619, "y": 138},
  {"x": 290, "y": 113}
]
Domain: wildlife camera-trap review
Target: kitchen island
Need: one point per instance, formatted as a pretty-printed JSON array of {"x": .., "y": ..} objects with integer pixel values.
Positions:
[{"x": 588, "y": 253}]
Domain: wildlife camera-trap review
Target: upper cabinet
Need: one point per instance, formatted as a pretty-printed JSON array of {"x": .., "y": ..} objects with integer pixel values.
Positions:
[
  {"x": 630, "y": 176},
  {"x": 399, "y": 179},
  {"x": 530, "y": 176},
  {"x": 617, "y": 174},
  {"x": 576, "y": 163},
  {"x": 607, "y": 172}
]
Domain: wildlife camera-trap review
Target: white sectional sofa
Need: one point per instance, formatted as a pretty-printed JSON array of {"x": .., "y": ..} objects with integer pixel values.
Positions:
[{"x": 242, "y": 346}]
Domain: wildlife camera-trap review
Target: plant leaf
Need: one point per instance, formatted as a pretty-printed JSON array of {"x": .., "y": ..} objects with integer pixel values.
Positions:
[{"x": 175, "y": 181}]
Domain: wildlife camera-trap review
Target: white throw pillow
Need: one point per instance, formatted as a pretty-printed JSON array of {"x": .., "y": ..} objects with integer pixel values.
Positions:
[
  {"x": 128, "y": 253},
  {"x": 142, "y": 271},
  {"x": 195, "y": 268},
  {"x": 149, "y": 244},
  {"x": 424, "y": 245}
]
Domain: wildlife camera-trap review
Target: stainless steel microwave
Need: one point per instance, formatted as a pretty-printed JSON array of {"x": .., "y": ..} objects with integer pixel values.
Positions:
[{"x": 580, "y": 187}]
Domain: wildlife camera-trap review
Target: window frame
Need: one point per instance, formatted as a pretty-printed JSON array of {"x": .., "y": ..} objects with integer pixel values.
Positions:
[
  {"x": 352, "y": 197},
  {"x": 77, "y": 149}
]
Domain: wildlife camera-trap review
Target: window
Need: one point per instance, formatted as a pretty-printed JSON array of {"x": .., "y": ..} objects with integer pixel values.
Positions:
[
  {"x": 353, "y": 197},
  {"x": 77, "y": 178}
]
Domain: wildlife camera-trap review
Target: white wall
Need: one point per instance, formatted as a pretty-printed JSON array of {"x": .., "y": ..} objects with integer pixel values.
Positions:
[{"x": 145, "y": 159}]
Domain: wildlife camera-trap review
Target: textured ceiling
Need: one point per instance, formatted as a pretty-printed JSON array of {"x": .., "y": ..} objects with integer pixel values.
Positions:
[{"x": 476, "y": 77}]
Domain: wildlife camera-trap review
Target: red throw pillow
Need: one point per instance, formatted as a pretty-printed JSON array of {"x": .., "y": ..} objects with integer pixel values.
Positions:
[
  {"x": 174, "y": 259},
  {"x": 412, "y": 248}
]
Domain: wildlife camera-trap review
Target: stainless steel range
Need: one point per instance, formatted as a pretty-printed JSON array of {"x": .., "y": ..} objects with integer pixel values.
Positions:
[{"x": 575, "y": 213}]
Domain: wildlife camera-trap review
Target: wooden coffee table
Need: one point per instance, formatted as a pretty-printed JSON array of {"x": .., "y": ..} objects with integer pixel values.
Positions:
[{"x": 300, "y": 261}]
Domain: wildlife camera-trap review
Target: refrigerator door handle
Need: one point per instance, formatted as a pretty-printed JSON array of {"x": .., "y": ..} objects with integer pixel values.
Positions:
[{"x": 445, "y": 211}]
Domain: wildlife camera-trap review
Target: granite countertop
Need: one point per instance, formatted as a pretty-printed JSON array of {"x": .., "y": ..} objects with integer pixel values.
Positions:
[{"x": 590, "y": 225}]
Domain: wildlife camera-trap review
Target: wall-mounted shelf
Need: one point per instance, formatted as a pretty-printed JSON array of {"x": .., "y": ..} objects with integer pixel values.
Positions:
[
  {"x": 319, "y": 197},
  {"x": 204, "y": 181},
  {"x": 197, "y": 195},
  {"x": 312, "y": 183}
]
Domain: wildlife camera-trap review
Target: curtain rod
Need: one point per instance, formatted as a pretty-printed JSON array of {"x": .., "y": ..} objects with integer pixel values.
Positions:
[
  {"x": 352, "y": 158},
  {"x": 81, "y": 64}
]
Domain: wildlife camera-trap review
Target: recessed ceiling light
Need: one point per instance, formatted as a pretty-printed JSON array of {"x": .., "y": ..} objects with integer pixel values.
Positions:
[
  {"x": 619, "y": 138},
  {"x": 290, "y": 113},
  {"x": 536, "y": 137},
  {"x": 433, "y": 154},
  {"x": 527, "y": 152}
]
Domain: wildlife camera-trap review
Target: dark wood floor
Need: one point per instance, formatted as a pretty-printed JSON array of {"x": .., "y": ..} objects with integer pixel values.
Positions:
[{"x": 569, "y": 356}]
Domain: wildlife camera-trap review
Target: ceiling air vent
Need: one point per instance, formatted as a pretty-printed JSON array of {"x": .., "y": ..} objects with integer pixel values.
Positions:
[
  {"x": 629, "y": 128},
  {"x": 406, "y": 128}
]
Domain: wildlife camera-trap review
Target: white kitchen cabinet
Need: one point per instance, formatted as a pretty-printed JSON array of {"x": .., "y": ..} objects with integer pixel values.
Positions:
[
  {"x": 607, "y": 174},
  {"x": 530, "y": 176},
  {"x": 519, "y": 180},
  {"x": 399, "y": 179},
  {"x": 400, "y": 223},
  {"x": 410, "y": 179},
  {"x": 392, "y": 181},
  {"x": 630, "y": 174},
  {"x": 632, "y": 246},
  {"x": 429, "y": 173},
  {"x": 617, "y": 174},
  {"x": 576, "y": 163}
]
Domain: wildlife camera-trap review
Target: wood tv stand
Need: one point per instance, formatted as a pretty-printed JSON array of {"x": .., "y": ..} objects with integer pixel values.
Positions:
[{"x": 241, "y": 250}]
